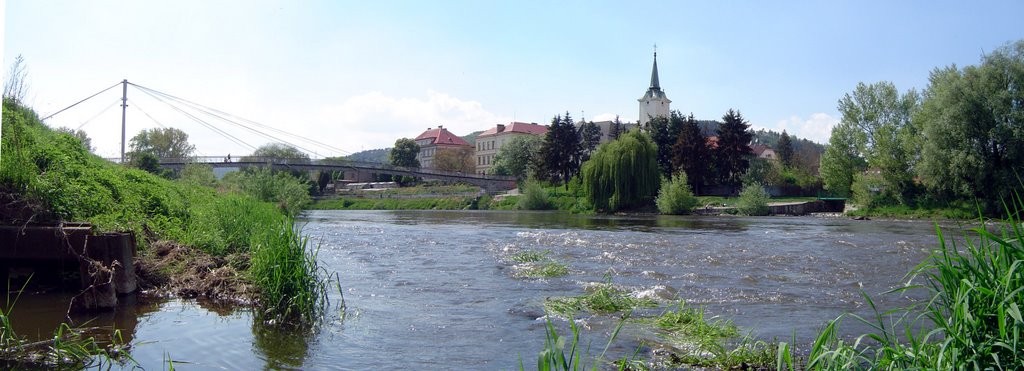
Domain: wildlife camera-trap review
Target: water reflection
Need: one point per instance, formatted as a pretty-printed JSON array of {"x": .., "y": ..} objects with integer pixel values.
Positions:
[{"x": 282, "y": 347}]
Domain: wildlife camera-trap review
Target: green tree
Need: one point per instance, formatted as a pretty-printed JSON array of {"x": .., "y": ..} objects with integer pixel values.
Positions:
[
  {"x": 80, "y": 134},
  {"x": 404, "y": 153},
  {"x": 753, "y": 200},
  {"x": 875, "y": 129},
  {"x": 972, "y": 126},
  {"x": 615, "y": 129},
  {"x": 733, "y": 149},
  {"x": 675, "y": 196},
  {"x": 590, "y": 137},
  {"x": 279, "y": 151},
  {"x": 785, "y": 149},
  {"x": 560, "y": 153},
  {"x": 664, "y": 132},
  {"x": 690, "y": 153},
  {"x": 841, "y": 160},
  {"x": 161, "y": 143},
  {"x": 514, "y": 158},
  {"x": 622, "y": 174},
  {"x": 199, "y": 174}
]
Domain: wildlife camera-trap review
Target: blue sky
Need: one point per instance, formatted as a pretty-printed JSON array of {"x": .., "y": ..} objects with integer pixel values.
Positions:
[{"x": 361, "y": 74}]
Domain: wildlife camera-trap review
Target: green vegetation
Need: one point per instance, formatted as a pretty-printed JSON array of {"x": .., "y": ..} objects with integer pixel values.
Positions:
[
  {"x": 534, "y": 197},
  {"x": 561, "y": 153},
  {"x": 603, "y": 298},
  {"x": 753, "y": 201},
  {"x": 58, "y": 180},
  {"x": 622, "y": 174},
  {"x": 284, "y": 189},
  {"x": 515, "y": 157},
  {"x": 67, "y": 349},
  {"x": 675, "y": 196},
  {"x": 958, "y": 140},
  {"x": 554, "y": 357},
  {"x": 972, "y": 320},
  {"x": 534, "y": 264}
]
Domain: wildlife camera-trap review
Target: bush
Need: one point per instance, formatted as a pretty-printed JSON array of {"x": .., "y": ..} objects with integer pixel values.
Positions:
[
  {"x": 675, "y": 196},
  {"x": 753, "y": 200},
  {"x": 534, "y": 197}
]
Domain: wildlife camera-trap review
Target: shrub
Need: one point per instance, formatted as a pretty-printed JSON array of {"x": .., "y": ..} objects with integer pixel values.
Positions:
[
  {"x": 534, "y": 197},
  {"x": 753, "y": 200},
  {"x": 675, "y": 196}
]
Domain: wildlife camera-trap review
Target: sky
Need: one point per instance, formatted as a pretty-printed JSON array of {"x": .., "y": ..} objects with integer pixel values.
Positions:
[{"x": 357, "y": 75}]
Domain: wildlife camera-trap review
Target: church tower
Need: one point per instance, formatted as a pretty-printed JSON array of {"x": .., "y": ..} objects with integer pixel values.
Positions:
[{"x": 654, "y": 103}]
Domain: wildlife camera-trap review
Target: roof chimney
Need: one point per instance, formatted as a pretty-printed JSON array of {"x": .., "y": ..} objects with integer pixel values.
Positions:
[
  {"x": 439, "y": 127},
  {"x": 501, "y": 128}
]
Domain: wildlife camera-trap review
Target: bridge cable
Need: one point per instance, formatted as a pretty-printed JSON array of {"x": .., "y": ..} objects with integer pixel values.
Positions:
[
  {"x": 98, "y": 114},
  {"x": 83, "y": 100},
  {"x": 202, "y": 122},
  {"x": 222, "y": 115},
  {"x": 257, "y": 132}
]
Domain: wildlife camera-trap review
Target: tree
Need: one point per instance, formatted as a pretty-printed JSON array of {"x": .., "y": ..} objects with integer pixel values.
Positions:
[
  {"x": 561, "y": 151},
  {"x": 404, "y": 153},
  {"x": 615, "y": 129},
  {"x": 733, "y": 149},
  {"x": 80, "y": 134},
  {"x": 515, "y": 157},
  {"x": 161, "y": 143},
  {"x": 622, "y": 174},
  {"x": 875, "y": 130},
  {"x": 277, "y": 151},
  {"x": 690, "y": 153},
  {"x": 664, "y": 132},
  {"x": 590, "y": 137},
  {"x": 972, "y": 128},
  {"x": 16, "y": 83},
  {"x": 459, "y": 159},
  {"x": 785, "y": 149},
  {"x": 198, "y": 174}
]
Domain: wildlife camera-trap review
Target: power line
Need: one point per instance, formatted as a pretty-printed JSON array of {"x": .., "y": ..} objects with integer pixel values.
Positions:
[
  {"x": 202, "y": 122},
  {"x": 83, "y": 100}
]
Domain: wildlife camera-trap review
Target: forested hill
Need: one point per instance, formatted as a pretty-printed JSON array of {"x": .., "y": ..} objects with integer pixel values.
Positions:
[{"x": 767, "y": 137}]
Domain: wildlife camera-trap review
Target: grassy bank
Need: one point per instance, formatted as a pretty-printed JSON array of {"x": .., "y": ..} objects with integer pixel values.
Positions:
[
  {"x": 958, "y": 211},
  {"x": 50, "y": 177}
]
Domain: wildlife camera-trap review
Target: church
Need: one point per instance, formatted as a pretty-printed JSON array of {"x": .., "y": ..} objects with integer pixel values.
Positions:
[{"x": 654, "y": 103}]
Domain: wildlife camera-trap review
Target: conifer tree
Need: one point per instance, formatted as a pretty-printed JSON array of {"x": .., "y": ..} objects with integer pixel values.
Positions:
[
  {"x": 734, "y": 138},
  {"x": 785, "y": 149},
  {"x": 691, "y": 153}
]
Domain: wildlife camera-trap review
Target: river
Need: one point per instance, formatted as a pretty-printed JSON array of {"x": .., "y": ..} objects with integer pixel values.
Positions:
[{"x": 435, "y": 289}]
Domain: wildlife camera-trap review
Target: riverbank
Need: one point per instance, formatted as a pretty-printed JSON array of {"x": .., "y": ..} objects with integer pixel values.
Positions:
[{"x": 49, "y": 178}]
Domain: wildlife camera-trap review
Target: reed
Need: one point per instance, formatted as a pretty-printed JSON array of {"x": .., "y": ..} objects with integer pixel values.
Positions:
[
  {"x": 292, "y": 285},
  {"x": 972, "y": 320}
]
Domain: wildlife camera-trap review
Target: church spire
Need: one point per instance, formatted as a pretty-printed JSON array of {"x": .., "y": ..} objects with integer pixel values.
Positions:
[{"x": 654, "y": 72}]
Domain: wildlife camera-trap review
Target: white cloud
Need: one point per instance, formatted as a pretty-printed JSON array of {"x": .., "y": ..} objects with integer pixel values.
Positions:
[
  {"x": 817, "y": 128},
  {"x": 375, "y": 120}
]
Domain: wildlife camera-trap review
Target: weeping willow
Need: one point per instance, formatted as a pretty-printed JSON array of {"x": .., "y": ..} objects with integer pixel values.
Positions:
[{"x": 622, "y": 174}]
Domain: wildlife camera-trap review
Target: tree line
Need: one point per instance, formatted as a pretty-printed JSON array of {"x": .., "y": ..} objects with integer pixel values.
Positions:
[{"x": 962, "y": 138}]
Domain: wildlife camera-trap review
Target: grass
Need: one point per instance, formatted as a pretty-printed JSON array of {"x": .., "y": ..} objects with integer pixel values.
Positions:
[
  {"x": 564, "y": 354},
  {"x": 972, "y": 320},
  {"x": 603, "y": 298},
  {"x": 67, "y": 349},
  {"x": 709, "y": 342},
  {"x": 54, "y": 172},
  {"x": 955, "y": 211},
  {"x": 536, "y": 264}
]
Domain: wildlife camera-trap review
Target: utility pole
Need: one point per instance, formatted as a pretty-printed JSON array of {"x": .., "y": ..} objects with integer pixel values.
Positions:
[{"x": 124, "y": 109}]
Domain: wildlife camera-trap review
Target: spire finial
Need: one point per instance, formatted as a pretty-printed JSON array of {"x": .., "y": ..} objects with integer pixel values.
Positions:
[{"x": 655, "y": 51}]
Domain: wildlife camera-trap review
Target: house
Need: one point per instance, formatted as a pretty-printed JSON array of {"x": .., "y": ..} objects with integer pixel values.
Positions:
[
  {"x": 433, "y": 141},
  {"x": 763, "y": 151},
  {"x": 489, "y": 142}
]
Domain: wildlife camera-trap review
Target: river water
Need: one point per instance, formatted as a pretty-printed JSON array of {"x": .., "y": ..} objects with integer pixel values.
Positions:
[{"x": 437, "y": 290}]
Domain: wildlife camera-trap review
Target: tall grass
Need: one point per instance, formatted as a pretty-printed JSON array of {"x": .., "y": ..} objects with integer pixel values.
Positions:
[
  {"x": 292, "y": 284},
  {"x": 972, "y": 320}
]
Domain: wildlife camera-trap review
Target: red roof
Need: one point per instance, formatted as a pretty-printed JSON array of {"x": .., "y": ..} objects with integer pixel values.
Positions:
[
  {"x": 442, "y": 136},
  {"x": 516, "y": 127},
  {"x": 712, "y": 142},
  {"x": 759, "y": 148}
]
